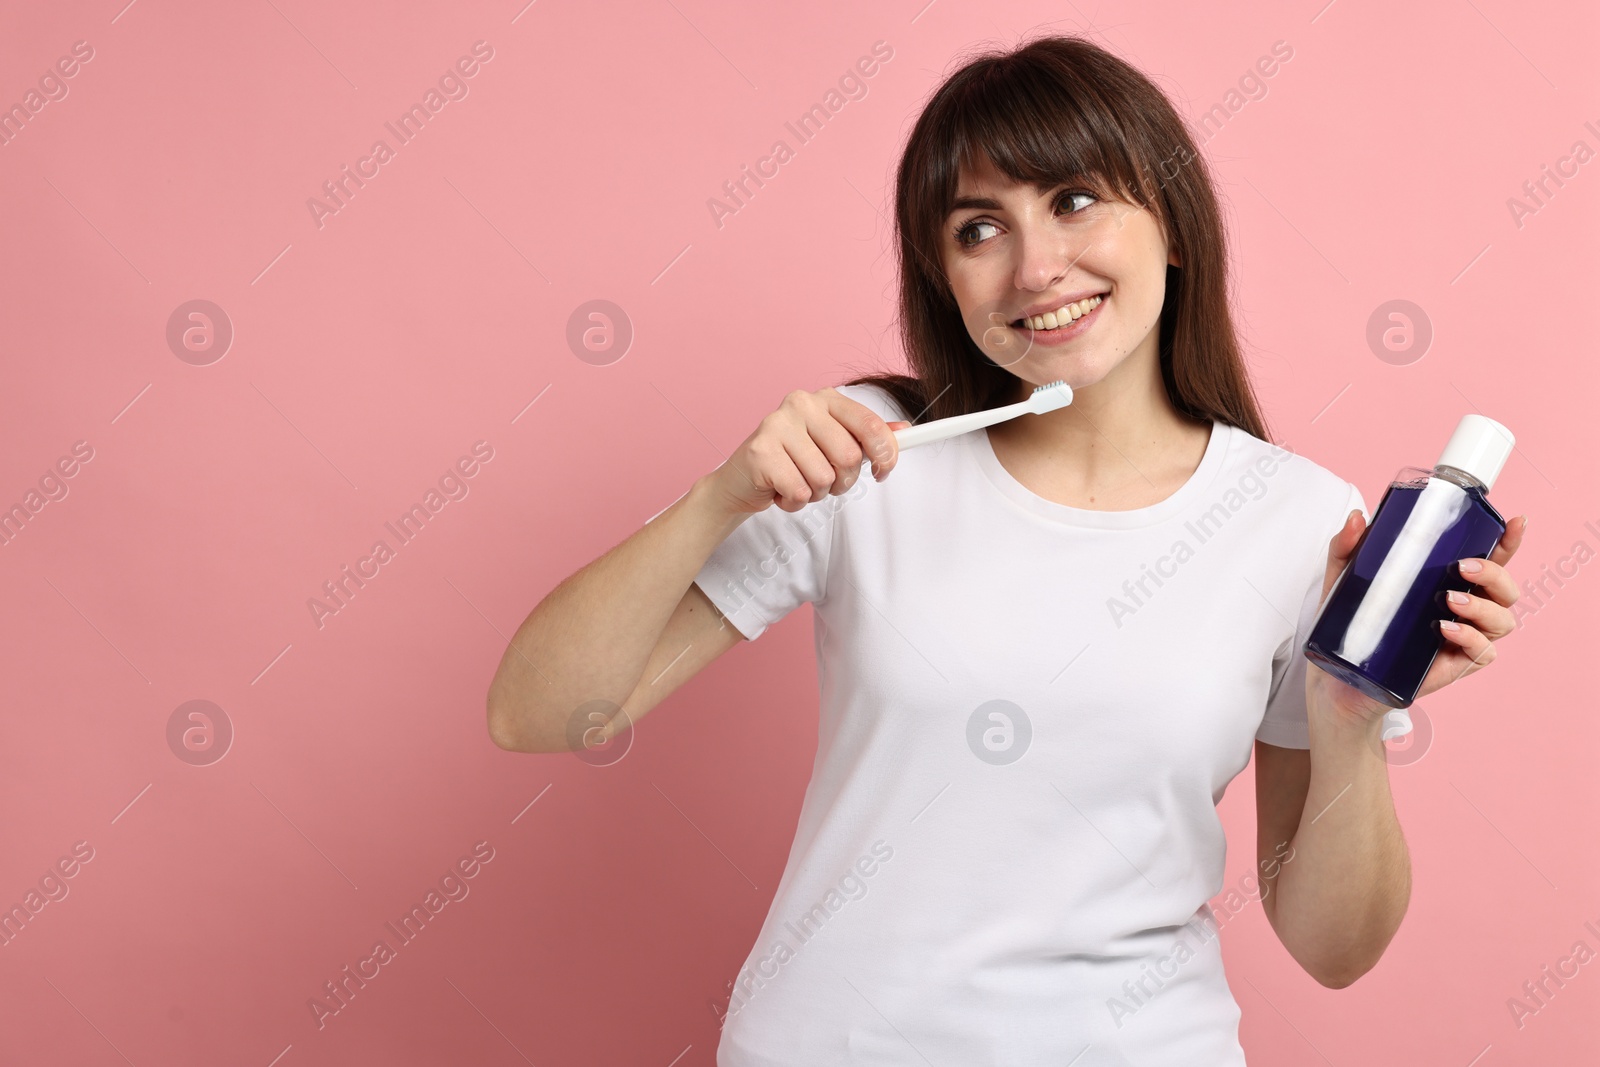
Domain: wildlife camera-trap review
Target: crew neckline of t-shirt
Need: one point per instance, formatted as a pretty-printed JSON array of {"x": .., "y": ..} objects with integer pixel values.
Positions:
[{"x": 982, "y": 451}]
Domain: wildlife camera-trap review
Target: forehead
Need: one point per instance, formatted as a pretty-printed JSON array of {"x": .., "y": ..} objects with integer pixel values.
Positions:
[
  {"x": 982, "y": 184},
  {"x": 983, "y": 174}
]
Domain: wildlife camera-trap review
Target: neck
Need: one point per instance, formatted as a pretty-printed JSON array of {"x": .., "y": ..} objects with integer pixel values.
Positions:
[{"x": 1121, "y": 429}]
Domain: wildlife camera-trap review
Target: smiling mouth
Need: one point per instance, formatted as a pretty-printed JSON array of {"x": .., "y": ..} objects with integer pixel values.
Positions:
[{"x": 1063, "y": 316}]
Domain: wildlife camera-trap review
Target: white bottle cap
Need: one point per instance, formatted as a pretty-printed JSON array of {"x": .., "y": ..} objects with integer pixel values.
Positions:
[{"x": 1480, "y": 447}]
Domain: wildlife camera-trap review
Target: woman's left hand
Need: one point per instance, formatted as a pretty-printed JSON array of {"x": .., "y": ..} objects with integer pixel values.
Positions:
[{"x": 1485, "y": 618}]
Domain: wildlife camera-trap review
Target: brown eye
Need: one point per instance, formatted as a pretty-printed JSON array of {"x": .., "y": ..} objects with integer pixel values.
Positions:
[
  {"x": 1077, "y": 194},
  {"x": 966, "y": 228}
]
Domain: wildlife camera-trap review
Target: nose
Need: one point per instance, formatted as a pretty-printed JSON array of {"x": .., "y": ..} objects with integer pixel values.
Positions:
[{"x": 1045, "y": 253}]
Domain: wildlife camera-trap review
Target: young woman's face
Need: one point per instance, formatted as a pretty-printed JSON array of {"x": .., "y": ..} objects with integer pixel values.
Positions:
[{"x": 1018, "y": 253}]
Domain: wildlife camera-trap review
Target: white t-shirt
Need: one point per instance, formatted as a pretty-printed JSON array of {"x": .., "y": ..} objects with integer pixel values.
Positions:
[{"x": 1029, "y": 712}]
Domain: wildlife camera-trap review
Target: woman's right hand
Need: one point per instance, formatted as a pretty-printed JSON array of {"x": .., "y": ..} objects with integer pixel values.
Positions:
[{"x": 810, "y": 448}]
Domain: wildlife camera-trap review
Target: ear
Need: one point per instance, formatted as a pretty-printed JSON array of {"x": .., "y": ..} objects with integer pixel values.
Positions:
[{"x": 1173, "y": 259}]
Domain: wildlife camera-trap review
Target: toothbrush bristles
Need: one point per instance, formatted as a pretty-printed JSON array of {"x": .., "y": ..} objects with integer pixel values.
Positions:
[{"x": 1051, "y": 395}]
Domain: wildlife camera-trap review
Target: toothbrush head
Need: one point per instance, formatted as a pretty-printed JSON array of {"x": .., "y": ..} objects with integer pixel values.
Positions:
[{"x": 1049, "y": 397}]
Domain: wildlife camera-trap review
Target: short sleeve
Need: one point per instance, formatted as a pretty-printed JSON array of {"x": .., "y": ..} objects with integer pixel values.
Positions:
[
  {"x": 770, "y": 564},
  {"x": 1285, "y": 723},
  {"x": 777, "y": 560}
]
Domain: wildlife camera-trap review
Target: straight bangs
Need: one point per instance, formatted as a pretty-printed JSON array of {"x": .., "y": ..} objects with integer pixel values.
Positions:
[{"x": 1036, "y": 131}]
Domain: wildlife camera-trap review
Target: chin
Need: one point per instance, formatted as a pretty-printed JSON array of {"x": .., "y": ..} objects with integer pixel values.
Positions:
[{"x": 1074, "y": 373}]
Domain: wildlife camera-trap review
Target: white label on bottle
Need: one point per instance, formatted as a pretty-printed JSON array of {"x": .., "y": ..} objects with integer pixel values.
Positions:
[{"x": 1439, "y": 506}]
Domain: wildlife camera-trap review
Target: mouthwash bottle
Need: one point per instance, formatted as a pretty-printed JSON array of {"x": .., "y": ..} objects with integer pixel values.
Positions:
[{"x": 1378, "y": 629}]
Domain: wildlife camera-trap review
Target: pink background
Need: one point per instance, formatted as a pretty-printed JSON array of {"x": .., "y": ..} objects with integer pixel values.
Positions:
[{"x": 370, "y": 353}]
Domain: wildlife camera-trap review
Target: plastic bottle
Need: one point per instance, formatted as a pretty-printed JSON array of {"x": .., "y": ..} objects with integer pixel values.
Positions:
[{"x": 1378, "y": 629}]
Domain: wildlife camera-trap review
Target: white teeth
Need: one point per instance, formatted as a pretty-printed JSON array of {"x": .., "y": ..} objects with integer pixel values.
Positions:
[{"x": 1063, "y": 315}]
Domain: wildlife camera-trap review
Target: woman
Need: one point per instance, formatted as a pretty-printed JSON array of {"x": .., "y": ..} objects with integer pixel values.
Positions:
[{"x": 1044, "y": 649}]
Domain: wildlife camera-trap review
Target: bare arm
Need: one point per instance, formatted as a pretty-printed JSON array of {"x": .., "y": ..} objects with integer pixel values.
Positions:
[
  {"x": 1338, "y": 890},
  {"x": 628, "y": 628}
]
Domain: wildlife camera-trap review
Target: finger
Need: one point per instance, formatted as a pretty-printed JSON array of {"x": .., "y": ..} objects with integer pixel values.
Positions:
[
  {"x": 1341, "y": 546},
  {"x": 837, "y": 442},
  {"x": 872, "y": 435},
  {"x": 794, "y": 490},
  {"x": 1511, "y": 540},
  {"x": 1471, "y": 651},
  {"x": 820, "y": 473},
  {"x": 1450, "y": 665},
  {"x": 1492, "y": 580},
  {"x": 1491, "y": 619}
]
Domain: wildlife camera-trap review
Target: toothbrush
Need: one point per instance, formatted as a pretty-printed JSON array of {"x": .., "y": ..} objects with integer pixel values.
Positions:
[{"x": 1048, "y": 397}]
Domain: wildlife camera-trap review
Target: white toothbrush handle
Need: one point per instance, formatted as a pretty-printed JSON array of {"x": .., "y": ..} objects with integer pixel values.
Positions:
[{"x": 939, "y": 429}]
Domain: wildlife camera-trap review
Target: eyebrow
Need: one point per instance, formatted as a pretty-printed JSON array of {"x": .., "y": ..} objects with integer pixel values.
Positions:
[
  {"x": 961, "y": 203},
  {"x": 964, "y": 202}
]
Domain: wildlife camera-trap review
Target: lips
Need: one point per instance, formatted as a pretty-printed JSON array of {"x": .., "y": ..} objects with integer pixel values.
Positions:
[
  {"x": 1051, "y": 315},
  {"x": 1065, "y": 329}
]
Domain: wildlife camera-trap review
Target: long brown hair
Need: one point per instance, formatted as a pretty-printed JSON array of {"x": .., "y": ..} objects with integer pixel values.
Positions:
[{"x": 1054, "y": 110}]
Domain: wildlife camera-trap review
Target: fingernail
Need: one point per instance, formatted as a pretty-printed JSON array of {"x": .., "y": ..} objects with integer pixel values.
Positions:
[
  {"x": 1446, "y": 624},
  {"x": 1457, "y": 597},
  {"x": 1470, "y": 566},
  {"x": 1524, "y": 524}
]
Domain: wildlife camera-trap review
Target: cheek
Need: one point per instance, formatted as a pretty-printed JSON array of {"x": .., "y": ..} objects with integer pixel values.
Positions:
[
  {"x": 979, "y": 308},
  {"x": 1145, "y": 271}
]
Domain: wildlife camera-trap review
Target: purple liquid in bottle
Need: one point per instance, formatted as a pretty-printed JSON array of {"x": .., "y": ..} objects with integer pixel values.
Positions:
[{"x": 1378, "y": 630}]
